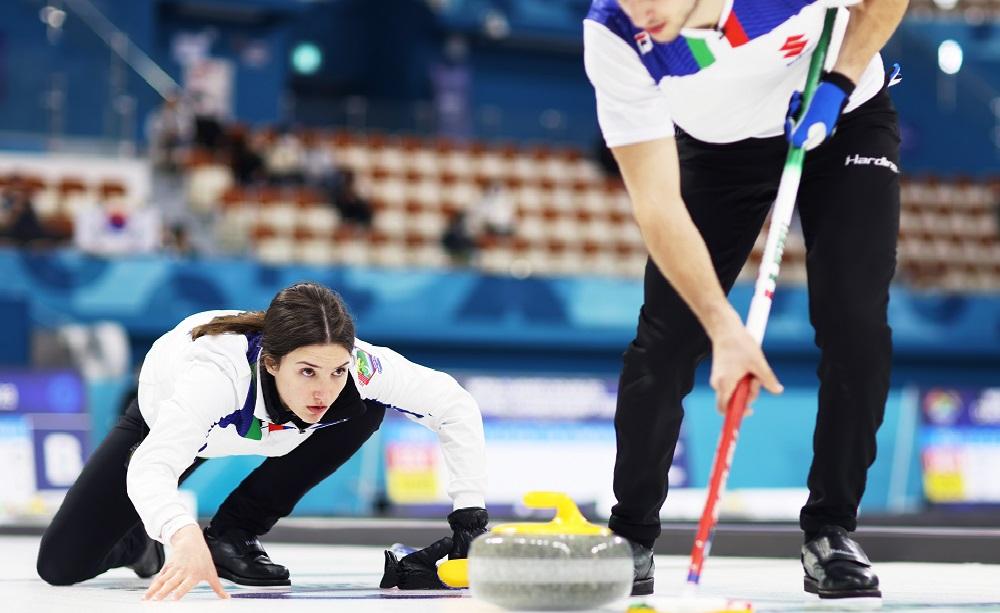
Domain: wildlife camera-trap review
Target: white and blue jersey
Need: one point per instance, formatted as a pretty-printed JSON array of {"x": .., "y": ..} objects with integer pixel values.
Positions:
[
  {"x": 204, "y": 398},
  {"x": 719, "y": 85}
]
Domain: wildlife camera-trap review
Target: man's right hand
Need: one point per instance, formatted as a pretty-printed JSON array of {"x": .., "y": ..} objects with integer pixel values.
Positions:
[
  {"x": 189, "y": 564},
  {"x": 736, "y": 354}
]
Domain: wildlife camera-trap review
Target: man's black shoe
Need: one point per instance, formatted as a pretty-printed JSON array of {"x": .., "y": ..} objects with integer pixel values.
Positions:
[
  {"x": 239, "y": 557},
  {"x": 642, "y": 569},
  {"x": 836, "y": 566}
]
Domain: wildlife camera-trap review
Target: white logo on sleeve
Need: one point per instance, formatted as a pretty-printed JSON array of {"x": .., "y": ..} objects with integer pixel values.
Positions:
[{"x": 860, "y": 160}]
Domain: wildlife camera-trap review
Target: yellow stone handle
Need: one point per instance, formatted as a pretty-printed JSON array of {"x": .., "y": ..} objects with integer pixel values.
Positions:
[
  {"x": 568, "y": 520},
  {"x": 567, "y": 513}
]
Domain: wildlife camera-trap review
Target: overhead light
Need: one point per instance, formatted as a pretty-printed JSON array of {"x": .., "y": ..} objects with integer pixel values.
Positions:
[
  {"x": 306, "y": 58},
  {"x": 52, "y": 17},
  {"x": 495, "y": 25},
  {"x": 945, "y": 5},
  {"x": 950, "y": 57}
]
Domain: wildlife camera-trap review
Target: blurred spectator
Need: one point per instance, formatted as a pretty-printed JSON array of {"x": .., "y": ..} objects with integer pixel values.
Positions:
[
  {"x": 353, "y": 208},
  {"x": 319, "y": 164},
  {"x": 208, "y": 127},
  {"x": 169, "y": 130},
  {"x": 114, "y": 228},
  {"x": 246, "y": 164},
  {"x": 19, "y": 223},
  {"x": 177, "y": 240},
  {"x": 286, "y": 159},
  {"x": 494, "y": 213},
  {"x": 458, "y": 240}
]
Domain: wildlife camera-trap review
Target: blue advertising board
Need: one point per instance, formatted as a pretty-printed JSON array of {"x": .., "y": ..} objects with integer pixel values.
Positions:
[
  {"x": 960, "y": 445},
  {"x": 542, "y": 433},
  {"x": 44, "y": 438}
]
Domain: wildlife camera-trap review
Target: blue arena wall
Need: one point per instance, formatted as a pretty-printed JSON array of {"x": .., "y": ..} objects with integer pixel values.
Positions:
[{"x": 461, "y": 311}]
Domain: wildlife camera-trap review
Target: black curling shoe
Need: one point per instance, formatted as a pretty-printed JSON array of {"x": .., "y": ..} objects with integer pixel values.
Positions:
[
  {"x": 151, "y": 560},
  {"x": 146, "y": 555},
  {"x": 643, "y": 569},
  {"x": 837, "y": 567},
  {"x": 239, "y": 557},
  {"x": 150, "y": 557}
]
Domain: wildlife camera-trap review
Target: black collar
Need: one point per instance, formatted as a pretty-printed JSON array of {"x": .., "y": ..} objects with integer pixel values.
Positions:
[{"x": 347, "y": 405}]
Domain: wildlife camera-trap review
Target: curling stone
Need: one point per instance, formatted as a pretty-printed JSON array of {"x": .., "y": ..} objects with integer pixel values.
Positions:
[{"x": 566, "y": 564}]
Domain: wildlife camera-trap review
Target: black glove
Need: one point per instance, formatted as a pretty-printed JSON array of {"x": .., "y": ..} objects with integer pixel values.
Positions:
[
  {"x": 418, "y": 570},
  {"x": 466, "y": 524}
]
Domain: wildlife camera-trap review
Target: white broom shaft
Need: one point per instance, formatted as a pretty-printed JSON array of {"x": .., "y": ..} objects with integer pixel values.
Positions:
[{"x": 774, "y": 248}]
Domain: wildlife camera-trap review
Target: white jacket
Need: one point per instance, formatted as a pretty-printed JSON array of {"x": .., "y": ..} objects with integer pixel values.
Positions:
[
  {"x": 736, "y": 86},
  {"x": 194, "y": 397}
]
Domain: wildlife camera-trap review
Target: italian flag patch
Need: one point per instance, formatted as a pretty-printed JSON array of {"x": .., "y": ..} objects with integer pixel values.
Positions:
[
  {"x": 368, "y": 366},
  {"x": 735, "y": 36}
]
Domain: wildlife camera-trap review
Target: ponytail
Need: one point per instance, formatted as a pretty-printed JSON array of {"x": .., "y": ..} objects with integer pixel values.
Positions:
[{"x": 248, "y": 322}]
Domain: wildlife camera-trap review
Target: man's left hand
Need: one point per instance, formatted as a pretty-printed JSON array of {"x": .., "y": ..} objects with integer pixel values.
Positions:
[{"x": 820, "y": 119}]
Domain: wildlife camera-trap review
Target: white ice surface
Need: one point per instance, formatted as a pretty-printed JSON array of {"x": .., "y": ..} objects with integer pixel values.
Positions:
[{"x": 345, "y": 579}]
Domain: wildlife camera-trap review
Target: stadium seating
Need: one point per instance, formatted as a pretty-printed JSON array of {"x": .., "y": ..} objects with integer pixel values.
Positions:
[{"x": 571, "y": 219}]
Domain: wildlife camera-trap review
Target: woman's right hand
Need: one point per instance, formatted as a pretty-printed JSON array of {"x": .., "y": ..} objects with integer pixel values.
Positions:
[
  {"x": 735, "y": 354},
  {"x": 189, "y": 564}
]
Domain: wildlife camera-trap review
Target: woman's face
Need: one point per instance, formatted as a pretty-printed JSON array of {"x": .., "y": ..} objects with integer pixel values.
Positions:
[{"x": 310, "y": 378}]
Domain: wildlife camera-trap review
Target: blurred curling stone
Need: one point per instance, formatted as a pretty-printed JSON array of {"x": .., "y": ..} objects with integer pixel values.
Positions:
[{"x": 566, "y": 564}]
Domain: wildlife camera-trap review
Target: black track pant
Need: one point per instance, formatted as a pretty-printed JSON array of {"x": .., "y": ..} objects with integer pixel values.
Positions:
[
  {"x": 97, "y": 527},
  {"x": 849, "y": 206}
]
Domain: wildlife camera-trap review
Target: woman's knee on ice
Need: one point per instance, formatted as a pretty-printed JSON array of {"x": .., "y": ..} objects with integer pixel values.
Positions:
[{"x": 57, "y": 568}]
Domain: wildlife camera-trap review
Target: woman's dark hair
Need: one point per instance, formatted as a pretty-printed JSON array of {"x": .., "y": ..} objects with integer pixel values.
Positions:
[{"x": 300, "y": 315}]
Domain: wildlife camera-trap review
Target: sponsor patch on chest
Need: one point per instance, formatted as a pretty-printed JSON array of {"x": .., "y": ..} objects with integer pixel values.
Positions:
[{"x": 794, "y": 46}]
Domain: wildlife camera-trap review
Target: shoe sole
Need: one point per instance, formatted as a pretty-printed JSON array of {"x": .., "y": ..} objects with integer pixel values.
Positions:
[
  {"x": 225, "y": 574},
  {"x": 810, "y": 585},
  {"x": 642, "y": 587}
]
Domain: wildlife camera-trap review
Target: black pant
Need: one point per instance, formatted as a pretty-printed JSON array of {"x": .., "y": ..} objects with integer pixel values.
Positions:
[
  {"x": 849, "y": 207},
  {"x": 97, "y": 527}
]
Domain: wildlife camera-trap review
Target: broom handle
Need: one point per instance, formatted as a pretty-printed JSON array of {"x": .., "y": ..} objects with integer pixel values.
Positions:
[{"x": 760, "y": 308}]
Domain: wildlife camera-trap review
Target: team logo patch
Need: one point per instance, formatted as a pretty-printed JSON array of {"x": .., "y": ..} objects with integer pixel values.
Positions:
[
  {"x": 368, "y": 366},
  {"x": 794, "y": 46},
  {"x": 644, "y": 41}
]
